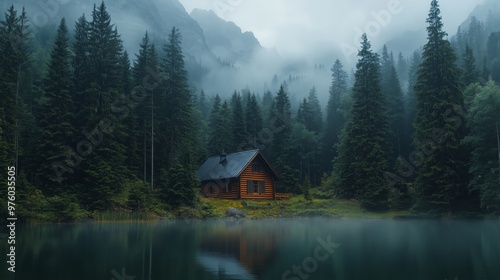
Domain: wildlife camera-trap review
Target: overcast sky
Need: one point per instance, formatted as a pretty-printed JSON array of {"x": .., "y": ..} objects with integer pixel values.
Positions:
[{"x": 295, "y": 26}]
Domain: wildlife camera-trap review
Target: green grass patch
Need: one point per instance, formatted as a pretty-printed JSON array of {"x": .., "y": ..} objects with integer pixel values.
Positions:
[{"x": 297, "y": 206}]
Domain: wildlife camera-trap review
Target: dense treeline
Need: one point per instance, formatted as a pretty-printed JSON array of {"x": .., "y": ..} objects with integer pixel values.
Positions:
[{"x": 90, "y": 130}]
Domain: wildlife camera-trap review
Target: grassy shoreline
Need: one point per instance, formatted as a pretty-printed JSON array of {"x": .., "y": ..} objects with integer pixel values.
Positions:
[{"x": 296, "y": 207}]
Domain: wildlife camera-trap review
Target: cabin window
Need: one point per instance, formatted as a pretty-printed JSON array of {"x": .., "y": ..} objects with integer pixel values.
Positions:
[
  {"x": 211, "y": 188},
  {"x": 226, "y": 188},
  {"x": 262, "y": 187},
  {"x": 256, "y": 167},
  {"x": 256, "y": 187}
]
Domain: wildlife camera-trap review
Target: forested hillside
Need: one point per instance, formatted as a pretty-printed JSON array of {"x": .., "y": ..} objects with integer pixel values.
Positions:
[{"x": 92, "y": 128}]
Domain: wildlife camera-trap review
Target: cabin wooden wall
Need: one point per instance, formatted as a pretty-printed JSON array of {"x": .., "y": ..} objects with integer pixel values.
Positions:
[
  {"x": 263, "y": 175},
  {"x": 234, "y": 193}
]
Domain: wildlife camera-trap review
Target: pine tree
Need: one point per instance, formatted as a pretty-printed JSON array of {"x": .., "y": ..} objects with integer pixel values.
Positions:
[
  {"x": 237, "y": 126},
  {"x": 402, "y": 68},
  {"x": 213, "y": 146},
  {"x": 441, "y": 180},
  {"x": 315, "y": 123},
  {"x": 470, "y": 72},
  {"x": 15, "y": 57},
  {"x": 309, "y": 113},
  {"x": 203, "y": 105},
  {"x": 103, "y": 170},
  {"x": 146, "y": 86},
  {"x": 391, "y": 89},
  {"x": 334, "y": 117},
  {"x": 303, "y": 113},
  {"x": 485, "y": 138},
  {"x": 267, "y": 104},
  {"x": 411, "y": 97},
  {"x": 132, "y": 142},
  {"x": 253, "y": 121},
  {"x": 281, "y": 153},
  {"x": 81, "y": 78},
  {"x": 364, "y": 149},
  {"x": 55, "y": 117},
  {"x": 177, "y": 129}
]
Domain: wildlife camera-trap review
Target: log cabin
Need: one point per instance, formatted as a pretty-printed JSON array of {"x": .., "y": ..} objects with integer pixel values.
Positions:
[{"x": 239, "y": 175}]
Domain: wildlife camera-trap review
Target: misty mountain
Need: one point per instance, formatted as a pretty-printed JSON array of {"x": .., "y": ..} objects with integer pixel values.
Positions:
[
  {"x": 488, "y": 12},
  {"x": 225, "y": 39},
  {"x": 416, "y": 38}
]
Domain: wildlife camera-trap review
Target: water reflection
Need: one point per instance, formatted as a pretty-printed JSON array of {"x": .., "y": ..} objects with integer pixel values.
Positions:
[
  {"x": 264, "y": 249},
  {"x": 237, "y": 253}
]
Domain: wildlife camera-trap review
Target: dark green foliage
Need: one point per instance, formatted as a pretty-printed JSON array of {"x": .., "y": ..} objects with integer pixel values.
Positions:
[
  {"x": 81, "y": 68},
  {"x": 253, "y": 121},
  {"x": 179, "y": 185},
  {"x": 56, "y": 130},
  {"x": 145, "y": 83},
  {"x": 203, "y": 106},
  {"x": 470, "y": 72},
  {"x": 100, "y": 131},
  {"x": 391, "y": 89},
  {"x": 411, "y": 97},
  {"x": 334, "y": 117},
  {"x": 237, "y": 126},
  {"x": 177, "y": 129},
  {"x": 267, "y": 104},
  {"x": 485, "y": 138},
  {"x": 440, "y": 127},
  {"x": 306, "y": 151},
  {"x": 364, "y": 150},
  {"x": 15, "y": 59},
  {"x": 493, "y": 56},
  {"x": 220, "y": 140},
  {"x": 309, "y": 113},
  {"x": 281, "y": 153}
]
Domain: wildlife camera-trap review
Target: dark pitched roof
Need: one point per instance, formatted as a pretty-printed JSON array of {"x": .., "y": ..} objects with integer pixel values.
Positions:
[{"x": 213, "y": 169}]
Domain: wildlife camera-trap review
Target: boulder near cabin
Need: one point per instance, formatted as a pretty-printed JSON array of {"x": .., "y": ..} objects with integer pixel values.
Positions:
[{"x": 245, "y": 174}]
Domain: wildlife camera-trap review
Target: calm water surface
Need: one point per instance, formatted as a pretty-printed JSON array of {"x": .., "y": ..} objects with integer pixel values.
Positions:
[{"x": 261, "y": 249}]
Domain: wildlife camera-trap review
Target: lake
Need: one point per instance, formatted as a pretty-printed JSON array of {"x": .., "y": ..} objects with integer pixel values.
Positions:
[{"x": 293, "y": 249}]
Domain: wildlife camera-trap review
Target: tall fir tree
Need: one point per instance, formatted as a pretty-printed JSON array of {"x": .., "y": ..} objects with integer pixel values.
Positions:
[
  {"x": 55, "y": 118},
  {"x": 267, "y": 104},
  {"x": 102, "y": 135},
  {"x": 411, "y": 97},
  {"x": 470, "y": 72},
  {"x": 391, "y": 88},
  {"x": 281, "y": 153},
  {"x": 146, "y": 85},
  {"x": 440, "y": 127},
  {"x": 364, "y": 150},
  {"x": 253, "y": 121},
  {"x": 237, "y": 126},
  {"x": 81, "y": 77},
  {"x": 334, "y": 118},
  {"x": 177, "y": 129},
  {"x": 203, "y": 105},
  {"x": 214, "y": 147},
  {"x": 315, "y": 123},
  {"x": 14, "y": 37}
]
